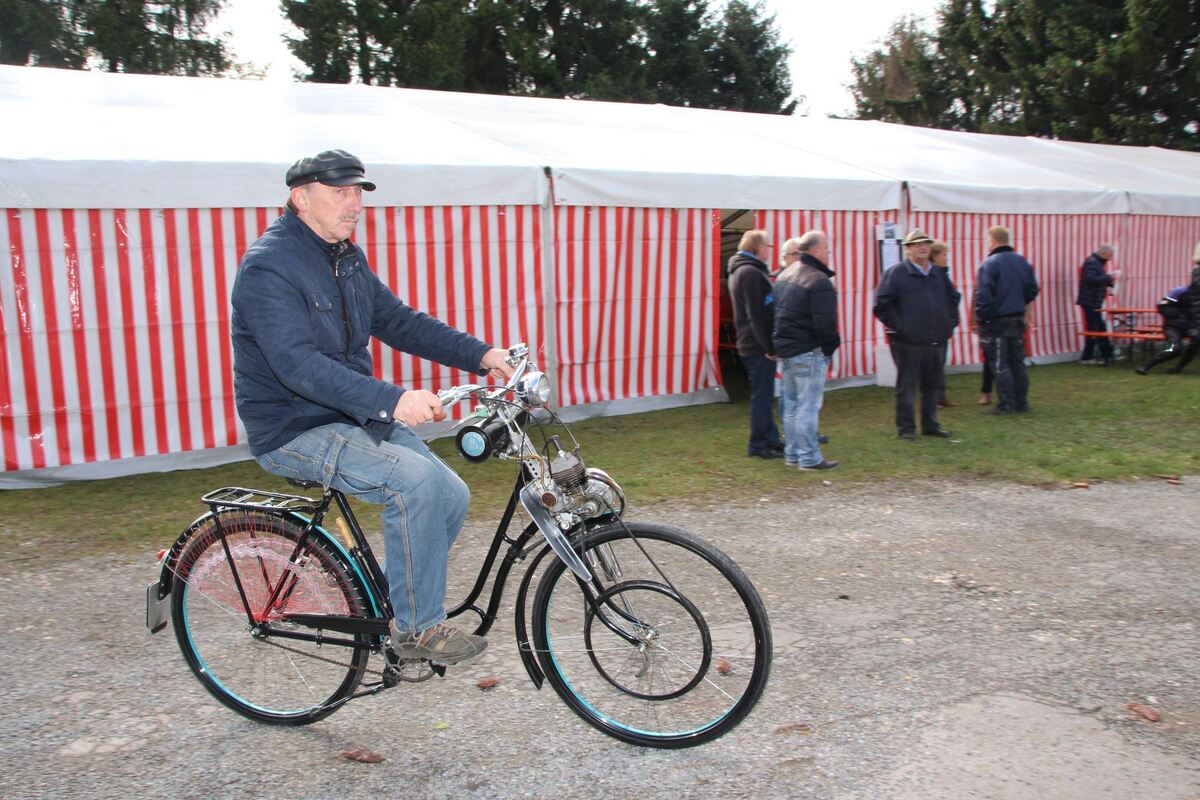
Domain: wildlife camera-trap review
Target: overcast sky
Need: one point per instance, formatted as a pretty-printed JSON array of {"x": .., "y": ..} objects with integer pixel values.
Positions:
[{"x": 824, "y": 36}]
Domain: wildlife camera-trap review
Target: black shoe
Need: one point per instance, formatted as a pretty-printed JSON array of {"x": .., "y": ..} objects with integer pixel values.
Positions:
[
  {"x": 777, "y": 447},
  {"x": 910, "y": 435},
  {"x": 767, "y": 454},
  {"x": 822, "y": 440},
  {"x": 1143, "y": 370},
  {"x": 824, "y": 465},
  {"x": 997, "y": 411},
  {"x": 942, "y": 432}
]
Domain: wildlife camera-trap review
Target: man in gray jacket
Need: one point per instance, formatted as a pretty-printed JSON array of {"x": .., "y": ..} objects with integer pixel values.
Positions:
[
  {"x": 806, "y": 337},
  {"x": 305, "y": 305}
]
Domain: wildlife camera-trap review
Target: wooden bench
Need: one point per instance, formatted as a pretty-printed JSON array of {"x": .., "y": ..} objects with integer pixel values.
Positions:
[{"x": 1146, "y": 336}]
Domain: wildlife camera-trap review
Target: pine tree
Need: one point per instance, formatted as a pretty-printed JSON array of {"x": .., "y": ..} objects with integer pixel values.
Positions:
[
  {"x": 680, "y": 41},
  {"x": 750, "y": 63},
  {"x": 41, "y": 33}
]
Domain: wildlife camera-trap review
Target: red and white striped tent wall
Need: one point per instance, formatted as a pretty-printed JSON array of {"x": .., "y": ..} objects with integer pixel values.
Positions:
[
  {"x": 635, "y": 302},
  {"x": 116, "y": 322}
]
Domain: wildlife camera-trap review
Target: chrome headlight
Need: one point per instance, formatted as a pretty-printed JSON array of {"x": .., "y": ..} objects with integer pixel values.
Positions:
[{"x": 534, "y": 389}]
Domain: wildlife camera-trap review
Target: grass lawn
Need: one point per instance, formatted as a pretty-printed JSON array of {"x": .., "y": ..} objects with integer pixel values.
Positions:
[{"x": 1087, "y": 424}]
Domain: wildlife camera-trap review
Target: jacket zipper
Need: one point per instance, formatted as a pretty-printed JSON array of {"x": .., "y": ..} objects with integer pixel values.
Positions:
[{"x": 333, "y": 263}]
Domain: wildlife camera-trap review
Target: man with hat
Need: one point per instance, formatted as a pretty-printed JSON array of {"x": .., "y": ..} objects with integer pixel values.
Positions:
[
  {"x": 918, "y": 306},
  {"x": 305, "y": 304}
]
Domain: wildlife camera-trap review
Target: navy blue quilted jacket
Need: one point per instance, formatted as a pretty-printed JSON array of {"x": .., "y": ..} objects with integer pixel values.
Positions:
[{"x": 303, "y": 313}]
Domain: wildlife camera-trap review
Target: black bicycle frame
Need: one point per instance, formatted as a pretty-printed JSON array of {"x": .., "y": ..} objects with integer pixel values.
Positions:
[{"x": 359, "y": 550}]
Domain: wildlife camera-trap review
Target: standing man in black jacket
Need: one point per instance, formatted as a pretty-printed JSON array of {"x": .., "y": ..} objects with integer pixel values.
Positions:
[
  {"x": 918, "y": 306},
  {"x": 806, "y": 336},
  {"x": 1094, "y": 284},
  {"x": 1006, "y": 284},
  {"x": 750, "y": 291}
]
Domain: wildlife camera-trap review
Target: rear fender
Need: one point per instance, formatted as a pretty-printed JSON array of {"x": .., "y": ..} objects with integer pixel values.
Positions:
[{"x": 169, "y": 564}]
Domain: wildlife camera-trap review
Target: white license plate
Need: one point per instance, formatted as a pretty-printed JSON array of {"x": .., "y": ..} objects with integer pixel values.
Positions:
[{"x": 158, "y": 611}]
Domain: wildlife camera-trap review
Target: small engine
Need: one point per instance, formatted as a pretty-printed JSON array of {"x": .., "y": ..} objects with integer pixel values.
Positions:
[{"x": 588, "y": 492}]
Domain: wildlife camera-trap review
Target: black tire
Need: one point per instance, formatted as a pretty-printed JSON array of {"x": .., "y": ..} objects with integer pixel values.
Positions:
[
  {"x": 254, "y": 674},
  {"x": 680, "y": 650}
]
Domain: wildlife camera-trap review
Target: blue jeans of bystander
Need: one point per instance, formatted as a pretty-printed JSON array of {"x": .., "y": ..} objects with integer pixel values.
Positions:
[
  {"x": 804, "y": 390},
  {"x": 424, "y": 505}
]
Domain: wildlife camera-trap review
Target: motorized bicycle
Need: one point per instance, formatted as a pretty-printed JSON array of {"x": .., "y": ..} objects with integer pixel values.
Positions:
[{"x": 646, "y": 631}]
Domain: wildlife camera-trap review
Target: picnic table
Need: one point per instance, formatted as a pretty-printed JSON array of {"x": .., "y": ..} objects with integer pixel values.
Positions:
[{"x": 1133, "y": 325}]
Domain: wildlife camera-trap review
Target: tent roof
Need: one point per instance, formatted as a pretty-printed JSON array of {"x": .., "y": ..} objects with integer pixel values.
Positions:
[
  {"x": 654, "y": 155},
  {"x": 99, "y": 140}
]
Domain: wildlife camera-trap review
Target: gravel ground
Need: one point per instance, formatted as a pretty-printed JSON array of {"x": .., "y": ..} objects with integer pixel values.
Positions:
[{"x": 976, "y": 640}]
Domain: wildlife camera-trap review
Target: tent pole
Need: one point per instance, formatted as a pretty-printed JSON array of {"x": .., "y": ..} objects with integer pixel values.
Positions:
[{"x": 550, "y": 300}]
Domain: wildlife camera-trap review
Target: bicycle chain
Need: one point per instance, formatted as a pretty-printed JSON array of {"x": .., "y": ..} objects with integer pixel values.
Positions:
[{"x": 319, "y": 658}]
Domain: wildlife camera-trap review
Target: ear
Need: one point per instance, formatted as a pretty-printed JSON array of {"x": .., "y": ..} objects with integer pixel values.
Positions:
[{"x": 299, "y": 198}]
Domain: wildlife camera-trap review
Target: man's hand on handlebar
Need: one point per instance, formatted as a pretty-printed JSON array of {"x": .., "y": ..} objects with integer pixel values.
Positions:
[
  {"x": 416, "y": 406},
  {"x": 496, "y": 362}
]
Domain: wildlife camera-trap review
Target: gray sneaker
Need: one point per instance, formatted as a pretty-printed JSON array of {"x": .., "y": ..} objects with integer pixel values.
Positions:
[{"x": 442, "y": 643}]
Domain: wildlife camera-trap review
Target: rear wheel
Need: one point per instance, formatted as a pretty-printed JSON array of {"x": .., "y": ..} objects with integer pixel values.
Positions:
[
  {"x": 233, "y": 650},
  {"x": 668, "y": 645}
]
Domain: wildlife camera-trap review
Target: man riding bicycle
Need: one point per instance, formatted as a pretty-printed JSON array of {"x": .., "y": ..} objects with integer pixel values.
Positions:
[{"x": 305, "y": 304}]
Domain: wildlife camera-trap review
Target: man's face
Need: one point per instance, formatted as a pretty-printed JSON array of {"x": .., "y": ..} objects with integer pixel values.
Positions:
[
  {"x": 763, "y": 253},
  {"x": 918, "y": 253},
  {"x": 1105, "y": 255},
  {"x": 331, "y": 211}
]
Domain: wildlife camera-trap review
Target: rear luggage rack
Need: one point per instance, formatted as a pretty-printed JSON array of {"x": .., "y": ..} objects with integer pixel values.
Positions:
[{"x": 237, "y": 497}]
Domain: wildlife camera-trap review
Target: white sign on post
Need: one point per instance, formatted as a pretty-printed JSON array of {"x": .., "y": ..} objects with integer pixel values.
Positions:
[{"x": 887, "y": 235}]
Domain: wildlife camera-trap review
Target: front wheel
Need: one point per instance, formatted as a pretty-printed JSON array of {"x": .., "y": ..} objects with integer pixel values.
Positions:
[
  {"x": 667, "y": 646},
  {"x": 232, "y": 597}
]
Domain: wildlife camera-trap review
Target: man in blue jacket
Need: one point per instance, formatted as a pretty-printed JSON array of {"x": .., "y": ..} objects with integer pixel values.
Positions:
[
  {"x": 1004, "y": 287},
  {"x": 918, "y": 306},
  {"x": 305, "y": 304}
]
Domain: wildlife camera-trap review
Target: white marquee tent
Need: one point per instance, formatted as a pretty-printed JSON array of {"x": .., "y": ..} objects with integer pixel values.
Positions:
[{"x": 590, "y": 230}]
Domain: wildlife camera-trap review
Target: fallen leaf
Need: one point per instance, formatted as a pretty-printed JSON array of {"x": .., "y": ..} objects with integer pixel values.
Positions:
[
  {"x": 1167, "y": 477},
  {"x": 723, "y": 666},
  {"x": 362, "y": 755},
  {"x": 1174, "y": 481},
  {"x": 1144, "y": 711},
  {"x": 1080, "y": 485},
  {"x": 441, "y": 726},
  {"x": 795, "y": 727},
  {"x": 489, "y": 682}
]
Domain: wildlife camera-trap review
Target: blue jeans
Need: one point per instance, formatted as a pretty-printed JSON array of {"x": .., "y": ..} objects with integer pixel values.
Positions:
[
  {"x": 763, "y": 433},
  {"x": 804, "y": 390},
  {"x": 424, "y": 505}
]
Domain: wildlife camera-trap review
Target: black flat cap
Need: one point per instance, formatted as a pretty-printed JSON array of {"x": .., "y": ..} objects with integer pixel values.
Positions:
[{"x": 330, "y": 167}]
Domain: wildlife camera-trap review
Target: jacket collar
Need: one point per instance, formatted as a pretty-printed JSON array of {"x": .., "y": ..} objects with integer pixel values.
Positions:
[
  {"x": 299, "y": 228},
  {"x": 1002, "y": 249},
  {"x": 746, "y": 257},
  {"x": 815, "y": 263},
  {"x": 915, "y": 270}
]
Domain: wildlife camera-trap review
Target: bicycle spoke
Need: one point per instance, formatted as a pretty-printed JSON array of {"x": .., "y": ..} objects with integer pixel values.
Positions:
[{"x": 291, "y": 682}]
